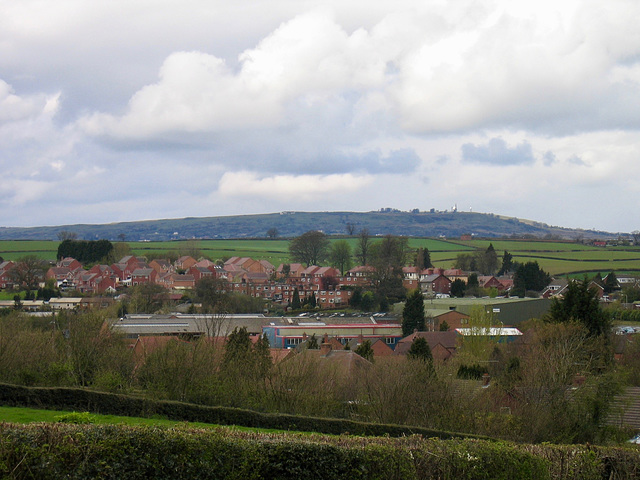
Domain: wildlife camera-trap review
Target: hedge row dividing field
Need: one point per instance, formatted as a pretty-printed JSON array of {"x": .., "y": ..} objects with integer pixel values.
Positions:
[{"x": 55, "y": 451}]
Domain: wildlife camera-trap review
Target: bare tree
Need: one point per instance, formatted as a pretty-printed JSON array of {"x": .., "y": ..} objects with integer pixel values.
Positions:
[
  {"x": 309, "y": 248},
  {"x": 214, "y": 324},
  {"x": 351, "y": 228},
  {"x": 340, "y": 255},
  {"x": 67, "y": 235},
  {"x": 272, "y": 233},
  {"x": 636, "y": 237},
  {"x": 363, "y": 246},
  {"x": 28, "y": 272}
]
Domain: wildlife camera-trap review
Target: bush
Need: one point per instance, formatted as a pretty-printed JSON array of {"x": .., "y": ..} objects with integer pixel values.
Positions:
[{"x": 101, "y": 451}]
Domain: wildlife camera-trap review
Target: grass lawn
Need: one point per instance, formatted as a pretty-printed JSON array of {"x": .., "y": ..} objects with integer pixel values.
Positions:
[{"x": 31, "y": 415}]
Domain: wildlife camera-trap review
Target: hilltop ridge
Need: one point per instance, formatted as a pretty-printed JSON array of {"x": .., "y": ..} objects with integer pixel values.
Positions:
[{"x": 291, "y": 223}]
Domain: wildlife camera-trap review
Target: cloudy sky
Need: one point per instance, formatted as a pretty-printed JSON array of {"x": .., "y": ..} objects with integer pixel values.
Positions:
[{"x": 119, "y": 110}]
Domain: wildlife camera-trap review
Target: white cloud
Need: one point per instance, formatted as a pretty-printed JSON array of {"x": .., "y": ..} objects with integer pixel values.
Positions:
[
  {"x": 289, "y": 187},
  {"x": 14, "y": 108},
  {"x": 145, "y": 101}
]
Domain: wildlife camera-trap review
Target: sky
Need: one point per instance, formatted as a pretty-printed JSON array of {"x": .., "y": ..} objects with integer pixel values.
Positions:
[{"x": 117, "y": 110}]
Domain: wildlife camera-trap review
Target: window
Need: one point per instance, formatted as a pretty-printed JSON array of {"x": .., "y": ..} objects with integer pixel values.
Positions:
[
  {"x": 389, "y": 340},
  {"x": 294, "y": 341}
]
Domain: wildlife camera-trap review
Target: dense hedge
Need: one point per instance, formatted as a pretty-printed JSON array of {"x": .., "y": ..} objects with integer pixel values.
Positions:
[
  {"x": 54, "y": 398},
  {"x": 85, "y": 251},
  {"x": 623, "y": 315},
  {"x": 98, "y": 451}
]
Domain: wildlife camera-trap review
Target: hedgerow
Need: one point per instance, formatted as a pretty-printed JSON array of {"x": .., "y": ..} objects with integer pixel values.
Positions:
[
  {"x": 57, "y": 398},
  {"x": 97, "y": 451}
]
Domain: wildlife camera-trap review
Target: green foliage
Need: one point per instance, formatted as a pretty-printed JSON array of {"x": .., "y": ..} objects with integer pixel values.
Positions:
[
  {"x": 611, "y": 283},
  {"x": 365, "y": 350},
  {"x": 312, "y": 343},
  {"x": 388, "y": 256},
  {"x": 413, "y": 317},
  {"x": 102, "y": 451},
  {"x": 356, "y": 298},
  {"x": 85, "y": 251},
  {"x": 580, "y": 303},
  {"x": 238, "y": 346},
  {"x": 99, "y": 451},
  {"x": 458, "y": 287},
  {"x": 76, "y": 418},
  {"x": 368, "y": 301},
  {"x": 212, "y": 293},
  {"x": 471, "y": 372},
  {"x": 529, "y": 277},
  {"x": 420, "y": 350},
  {"x": 488, "y": 261},
  {"x": 423, "y": 258},
  {"x": 507, "y": 263},
  {"x": 295, "y": 302}
]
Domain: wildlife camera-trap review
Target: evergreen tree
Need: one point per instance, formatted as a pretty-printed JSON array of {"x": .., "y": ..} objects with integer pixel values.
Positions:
[
  {"x": 356, "y": 298},
  {"x": 262, "y": 356},
  {"x": 312, "y": 343},
  {"x": 313, "y": 303},
  {"x": 420, "y": 350},
  {"x": 507, "y": 263},
  {"x": 580, "y": 304},
  {"x": 611, "y": 283},
  {"x": 295, "y": 302},
  {"x": 368, "y": 301},
  {"x": 238, "y": 346},
  {"x": 529, "y": 277},
  {"x": 423, "y": 258},
  {"x": 458, "y": 287},
  {"x": 384, "y": 304},
  {"x": 489, "y": 261},
  {"x": 413, "y": 317},
  {"x": 473, "y": 286},
  {"x": 365, "y": 350}
]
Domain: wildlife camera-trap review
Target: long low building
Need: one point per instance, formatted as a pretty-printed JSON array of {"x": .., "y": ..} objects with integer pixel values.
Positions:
[
  {"x": 197, "y": 325},
  {"x": 288, "y": 336},
  {"x": 186, "y": 325}
]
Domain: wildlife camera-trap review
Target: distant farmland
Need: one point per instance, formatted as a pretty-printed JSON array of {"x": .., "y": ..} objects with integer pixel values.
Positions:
[{"x": 557, "y": 258}]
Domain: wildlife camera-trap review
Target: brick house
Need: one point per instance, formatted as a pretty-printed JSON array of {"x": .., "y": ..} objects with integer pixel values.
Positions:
[
  {"x": 435, "y": 283},
  {"x": 143, "y": 275}
]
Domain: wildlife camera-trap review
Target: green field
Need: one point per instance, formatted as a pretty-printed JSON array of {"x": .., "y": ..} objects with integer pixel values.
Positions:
[{"x": 557, "y": 258}]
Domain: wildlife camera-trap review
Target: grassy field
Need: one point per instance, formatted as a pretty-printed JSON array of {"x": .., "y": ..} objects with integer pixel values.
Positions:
[{"x": 557, "y": 258}]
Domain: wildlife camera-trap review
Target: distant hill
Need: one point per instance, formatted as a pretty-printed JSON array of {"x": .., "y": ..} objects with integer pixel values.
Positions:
[{"x": 290, "y": 224}]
